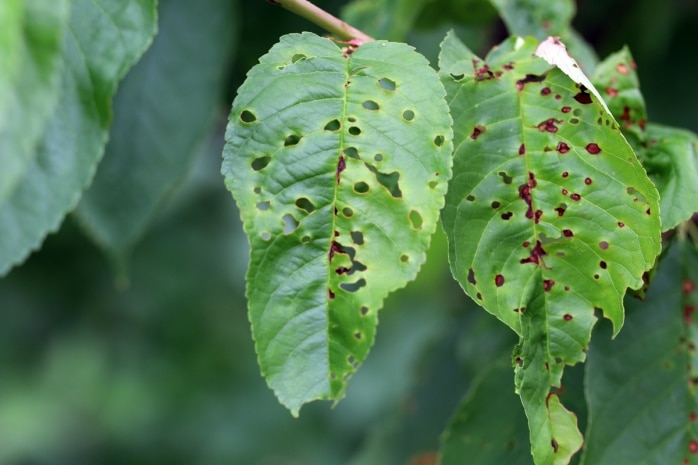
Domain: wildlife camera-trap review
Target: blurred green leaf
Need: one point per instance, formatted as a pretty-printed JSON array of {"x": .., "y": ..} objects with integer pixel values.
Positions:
[
  {"x": 563, "y": 221},
  {"x": 105, "y": 38},
  {"x": 383, "y": 19},
  {"x": 162, "y": 112},
  {"x": 31, "y": 33},
  {"x": 640, "y": 386},
  {"x": 339, "y": 166},
  {"x": 538, "y": 18}
]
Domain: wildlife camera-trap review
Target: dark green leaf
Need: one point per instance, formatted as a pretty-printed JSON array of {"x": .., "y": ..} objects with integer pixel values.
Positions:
[
  {"x": 105, "y": 38},
  {"x": 383, "y": 19},
  {"x": 31, "y": 33},
  {"x": 641, "y": 386},
  {"x": 539, "y": 18},
  {"x": 549, "y": 215},
  {"x": 339, "y": 166},
  {"x": 162, "y": 112}
]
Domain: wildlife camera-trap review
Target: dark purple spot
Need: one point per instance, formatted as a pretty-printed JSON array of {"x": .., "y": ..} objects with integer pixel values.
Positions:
[
  {"x": 558, "y": 96},
  {"x": 545, "y": 91},
  {"x": 567, "y": 316},
  {"x": 525, "y": 194},
  {"x": 561, "y": 209},
  {"x": 496, "y": 204},
  {"x": 479, "y": 296},
  {"x": 522, "y": 149},
  {"x": 526, "y": 244},
  {"x": 603, "y": 264},
  {"x": 562, "y": 147},
  {"x": 482, "y": 73},
  {"x": 477, "y": 131},
  {"x": 549, "y": 125},
  {"x": 341, "y": 165},
  {"x": 330, "y": 294},
  {"x": 509, "y": 66},
  {"x": 587, "y": 181},
  {"x": 536, "y": 254},
  {"x": 529, "y": 78},
  {"x": 357, "y": 335},
  {"x": 576, "y": 197},
  {"x": 507, "y": 215},
  {"x": 583, "y": 96},
  {"x": 567, "y": 233},
  {"x": 566, "y": 109},
  {"x": 499, "y": 280},
  {"x": 341, "y": 270},
  {"x": 471, "y": 277},
  {"x": 596, "y": 276},
  {"x": 539, "y": 213},
  {"x": 648, "y": 212},
  {"x": 621, "y": 224},
  {"x": 567, "y": 288},
  {"x": 565, "y": 174},
  {"x": 335, "y": 248},
  {"x": 565, "y": 191},
  {"x": 593, "y": 148},
  {"x": 553, "y": 443},
  {"x": 603, "y": 245},
  {"x": 548, "y": 284}
]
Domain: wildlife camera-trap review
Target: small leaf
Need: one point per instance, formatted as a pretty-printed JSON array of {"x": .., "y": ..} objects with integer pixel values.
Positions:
[
  {"x": 162, "y": 111},
  {"x": 339, "y": 166},
  {"x": 549, "y": 215},
  {"x": 105, "y": 38},
  {"x": 641, "y": 386},
  {"x": 31, "y": 33}
]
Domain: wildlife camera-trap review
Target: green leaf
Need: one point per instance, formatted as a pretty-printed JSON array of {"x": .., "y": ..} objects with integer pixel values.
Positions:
[
  {"x": 668, "y": 154},
  {"x": 641, "y": 396},
  {"x": 105, "y": 38},
  {"x": 31, "y": 33},
  {"x": 339, "y": 166},
  {"x": 383, "y": 19},
  {"x": 539, "y": 18},
  {"x": 489, "y": 426},
  {"x": 549, "y": 215},
  {"x": 162, "y": 112}
]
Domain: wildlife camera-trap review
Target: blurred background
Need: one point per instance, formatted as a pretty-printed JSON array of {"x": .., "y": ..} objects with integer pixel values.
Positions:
[{"x": 139, "y": 351}]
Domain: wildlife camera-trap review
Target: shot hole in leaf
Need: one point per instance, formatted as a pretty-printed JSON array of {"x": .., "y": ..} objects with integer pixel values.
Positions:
[
  {"x": 361, "y": 187},
  {"x": 248, "y": 117},
  {"x": 355, "y": 130},
  {"x": 408, "y": 115},
  {"x": 357, "y": 237},
  {"x": 506, "y": 216},
  {"x": 603, "y": 264},
  {"x": 470, "y": 198},
  {"x": 351, "y": 119},
  {"x": 416, "y": 219},
  {"x": 404, "y": 258},
  {"x": 477, "y": 131},
  {"x": 333, "y": 125},
  {"x": 258, "y": 164},
  {"x": 389, "y": 181},
  {"x": 351, "y": 152},
  {"x": 378, "y": 157},
  {"x": 347, "y": 212},
  {"x": 263, "y": 206},
  {"x": 357, "y": 336},
  {"x": 471, "y": 277},
  {"x": 265, "y": 235},
  {"x": 371, "y": 105},
  {"x": 305, "y": 204},
  {"x": 292, "y": 140},
  {"x": 387, "y": 84},
  {"x": 290, "y": 223},
  {"x": 439, "y": 140},
  {"x": 305, "y": 239},
  {"x": 505, "y": 177},
  {"x": 298, "y": 57},
  {"x": 353, "y": 287},
  {"x": 457, "y": 77},
  {"x": 363, "y": 311},
  {"x": 257, "y": 190},
  {"x": 433, "y": 184}
]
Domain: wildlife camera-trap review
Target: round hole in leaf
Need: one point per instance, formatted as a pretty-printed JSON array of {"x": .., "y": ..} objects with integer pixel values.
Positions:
[
  {"x": 408, "y": 115},
  {"x": 351, "y": 119},
  {"x": 257, "y": 190},
  {"x": 292, "y": 140},
  {"x": 260, "y": 163},
  {"x": 265, "y": 235},
  {"x": 348, "y": 212},
  {"x": 351, "y": 152},
  {"x": 370, "y": 105},
  {"x": 305, "y": 204},
  {"x": 387, "y": 84},
  {"x": 333, "y": 125},
  {"x": 378, "y": 157},
  {"x": 361, "y": 187},
  {"x": 574, "y": 120},
  {"x": 354, "y": 130},
  {"x": 363, "y": 311},
  {"x": 404, "y": 258},
  {"x": 305, "y": 239},
  {"x": 439, "y": 140},
  {"x": 577, "y": 112},
  {"x": 298, "y": 57},
  {"x": 263, "y": 206},
  {"x": 247, "y": 116},
  {"x": 416, "y": 219},
  {"x": 433, "y": 184},
  {"x": 470, "y": 198},
  {"x": 290, "y": 223},
  {"x": 357, "y": 335},
  {"x": 357, "y": 237}
]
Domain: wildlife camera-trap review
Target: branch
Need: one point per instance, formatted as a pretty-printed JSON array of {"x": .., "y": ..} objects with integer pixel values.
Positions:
[{"x": 323, "y": 19}]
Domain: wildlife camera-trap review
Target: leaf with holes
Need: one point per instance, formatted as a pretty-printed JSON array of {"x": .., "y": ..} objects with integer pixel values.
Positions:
[
  {"x": 668, "y": 154},
  {"x": 549, "y": 215},
  {"x": 339, "y": 164},
  {"x": 641, "y": 386}
]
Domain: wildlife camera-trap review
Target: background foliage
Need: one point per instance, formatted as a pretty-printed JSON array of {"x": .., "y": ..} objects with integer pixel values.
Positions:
[{"x": 159, "y": 367}]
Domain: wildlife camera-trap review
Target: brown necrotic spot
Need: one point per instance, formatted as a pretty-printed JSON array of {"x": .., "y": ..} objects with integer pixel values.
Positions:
[
  {"x": 603, "y": 245},
  {"x": 561, "y": 209},
  {"x": 548, "y": 284},
  {"x": 576, "y": 197},
  {"x": 565, "y": 174},
  {"x": 549, "y": 125},
  {"x": 258, "y": 164},
  {"x": 536, "y": 256},
  {"x": 563, "y": 147},
  {"x": 621, "y": 224},
  {"x": 477, "y": 131},
  {"x": 583, "y": 96},
  {"x": 363, "y": 311},
  {"x": 567, "y": 233},
  {"x": 545, "y": 91},
  {"x": 247, "y": 117},
  {"x": 593, "y": 148},
  {"x": 499, "y": 280},
  {"x": 587, "y": 181},
  {"x": 529, "y": 78},
  {"x": 357, "y": 335},
  {"x": 522, "y": 149},
  {"x": 568, "y": 317},
  {"x": 471, "y": 277},
  {"x": 603, "y": 264}
]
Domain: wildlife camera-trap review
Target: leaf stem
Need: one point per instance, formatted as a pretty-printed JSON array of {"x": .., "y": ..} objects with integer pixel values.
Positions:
[{"x": 323, "y": 19}]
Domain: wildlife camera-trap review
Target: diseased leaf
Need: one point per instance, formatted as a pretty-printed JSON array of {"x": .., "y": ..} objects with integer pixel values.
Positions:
[
  {"x": 31, "y": 33},
  {"x": 162, "y": 112},
  {"x": 105, "y": 38},
  {"x": 668, "y": 154},
  {"x": 641, "y": 396},
  {"x": 489, "y": 426},
  {"x": 339, "y": 166},
  {"x": 549, "y": 215}
]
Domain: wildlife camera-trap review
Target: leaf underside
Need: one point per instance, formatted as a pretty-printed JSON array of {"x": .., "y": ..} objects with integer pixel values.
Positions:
[
  {"x": 549, "y": 215},
  {"x": 104, "y": 38},
  {"x": 339, "y": 165}
]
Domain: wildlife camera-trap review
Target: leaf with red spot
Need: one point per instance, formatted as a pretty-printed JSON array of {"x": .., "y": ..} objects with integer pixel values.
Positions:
[
  {"x": 641, "y": 385},
  {"x": 339, "y": 165},
  {"x": 670, "y": 155},
  {"x": 555, "y": 236}
]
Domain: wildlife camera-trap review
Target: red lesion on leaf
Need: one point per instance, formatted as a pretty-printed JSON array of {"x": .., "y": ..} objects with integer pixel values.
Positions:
[
  {"x": 563, "y": 148},
  {"x": 548, "y": 284},
  {"x": 688, "y": 286},
  {"x": 522, "y": 149},
  {"x": 341, "y": 166},
  {"x": 621, "y": 224},
  {"x": 688, "y": 311},
  {"x": 545, "y": 91},
  {"x": 576, "y": 197},
  {"x": 622, "y": 68},
  {"x": 330, "y": 294},
  {"x": 583, "y": 96},
  {"x": 567, "y": 316},
  {"x": 537, "y": 253},
  {"x": 587, "y": 181},
  {"x": 567, "y": 233},
  {"x": 482, "y": 73},
  {"x": 477, "y": 131},
  {"x": 499, "y": 280},
  {"x": 549, "y": 125},
  {"x": 525, "y": 194},
  {"x": 593, "y": 148},
  {"x": 566, "y": 109},
  {"x": 611, "y": 91},
  {"x": 529, "y": 78},
  {"x": 693, "y": 446}
]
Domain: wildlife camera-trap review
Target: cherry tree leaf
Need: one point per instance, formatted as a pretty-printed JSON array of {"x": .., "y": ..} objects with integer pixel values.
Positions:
[
  {"x": 102, "y": 41},
  {"x": 550, "y": 217},
  {"x": 339, "y": 164}
]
